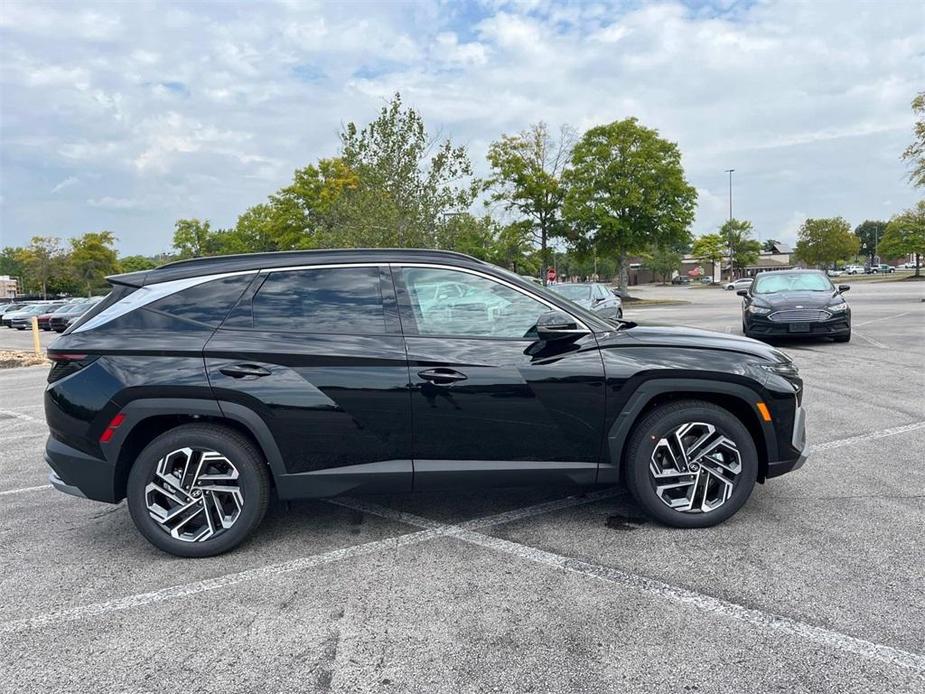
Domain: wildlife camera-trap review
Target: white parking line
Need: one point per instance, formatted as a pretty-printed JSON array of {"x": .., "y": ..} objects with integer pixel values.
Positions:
[
  {"x": 893, "y": 431},
  {"x": 875, "y": 343},
  {"x": 183, "y": 590},
  {"x": 875, "y": 320},
  {"x": 20, "y": 415},
  {"x": 25, "y": 489},
  {"x": 676, "y": 594}
]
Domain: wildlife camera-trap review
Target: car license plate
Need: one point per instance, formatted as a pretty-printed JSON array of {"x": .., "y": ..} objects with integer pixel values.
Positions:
[{"x": 799, "y": 327}]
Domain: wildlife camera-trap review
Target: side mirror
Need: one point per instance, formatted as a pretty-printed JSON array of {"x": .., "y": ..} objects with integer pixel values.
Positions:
[
  {"x": 742, "y": 292},
  {"x": 557, "y": 325},
  {"x": 842, "y": 288}
]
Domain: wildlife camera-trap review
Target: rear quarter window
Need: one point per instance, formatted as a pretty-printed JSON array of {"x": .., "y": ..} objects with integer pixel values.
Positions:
[{"x": 206, "y": 303}]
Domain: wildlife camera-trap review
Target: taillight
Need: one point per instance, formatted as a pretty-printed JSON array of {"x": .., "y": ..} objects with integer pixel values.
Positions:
[
  {"x": 67, "y": 363},
  {"x": 111, "y": 429}
]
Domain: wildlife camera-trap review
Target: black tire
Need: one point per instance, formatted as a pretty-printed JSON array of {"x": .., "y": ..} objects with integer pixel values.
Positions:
[
  {"x": 253, "y": 480},
  {"x": 660, "y": 422},
  {"x": 843, "y": 338}
]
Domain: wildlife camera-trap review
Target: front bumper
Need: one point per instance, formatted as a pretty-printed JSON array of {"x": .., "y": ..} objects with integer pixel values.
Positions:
[
  {"x": 91, "y": 477},
  {"x": 798, "y": 446},
  {"x": 761, "y": 325}
]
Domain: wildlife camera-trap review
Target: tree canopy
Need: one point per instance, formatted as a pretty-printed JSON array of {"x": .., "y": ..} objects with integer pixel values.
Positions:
[
  {"x": 527, "y": 171},
  {"x": 825, "y": 241},
  {"x": 905, "y": 234},
  {"x": 742, "y": 249},
  {"x": 709, "y": 248},
  {"x": 93, "y": 257},
  {"x": 869, "y": 233},
  {"x": 626, "y": 191},
  {"x": 915, "y": 153}
]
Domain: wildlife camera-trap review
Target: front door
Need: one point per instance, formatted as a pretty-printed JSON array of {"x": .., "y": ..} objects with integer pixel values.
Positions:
[{"x": 491, "y": 404}]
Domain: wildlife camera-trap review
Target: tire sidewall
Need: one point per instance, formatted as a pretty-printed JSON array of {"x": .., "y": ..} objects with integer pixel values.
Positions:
[
  {"x": 661, "y": 422},
  {"x": 252, "y": 479}
]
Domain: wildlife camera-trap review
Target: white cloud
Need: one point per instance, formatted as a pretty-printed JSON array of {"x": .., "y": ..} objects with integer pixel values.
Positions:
[
  {"x": 203, "y": 109},
  {"x": 66, "y": 183}
]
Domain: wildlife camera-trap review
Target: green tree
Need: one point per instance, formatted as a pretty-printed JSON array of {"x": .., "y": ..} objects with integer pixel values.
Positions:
[
  {"x": 42, "y": 260},
  {"x": 768, "y": 245},
  {"x": 663, "y": 261},
  {"x": 526, "y": 178},
  {"x": 137, "y": 263},
  {"x": 709, "y": 248},
  {"x": 741, "y": 248},
  {"x": 825, "y": 241},
  {"x": 92, "y": 257},
  {"x": 406, "y": 183},
  {"x": 11, "y": 262},
  {"x": 905, "y": 234},
  {"x": 194, "y": 238},
  {"x": 915, "y": 153},
  {"x": 626, "y": 191},
  {"x": 869, "y": 234}
]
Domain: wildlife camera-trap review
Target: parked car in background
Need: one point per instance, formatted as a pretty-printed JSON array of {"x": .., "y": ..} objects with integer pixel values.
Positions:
[
  {"x": 854, "y": 269},
  {"x": 795, "y": 303},
  {"x": 592, "y": 296},
  {"x": 741, "y": 283},
  {"x": 834, "y": 273},
  {"x": 681, "y": 279},
  {"x": 907, "y": 266},
  {"x": 23, "y": 319},
  {"x": 9, "y": 310},
  {"x": 883, "y": 268},
  {"x": 61, "y": 318},
  {"x": 196, "y": 389},
  {"x": 44, "y": 319}
]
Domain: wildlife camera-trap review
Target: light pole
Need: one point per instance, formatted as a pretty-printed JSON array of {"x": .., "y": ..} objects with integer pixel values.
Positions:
[{"x": 728, "y": 240}]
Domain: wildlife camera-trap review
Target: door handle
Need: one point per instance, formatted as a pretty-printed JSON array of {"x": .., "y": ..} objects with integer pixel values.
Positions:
[
  {"x": 243, "y": 370},
  {"x": 442, "y": 376}
]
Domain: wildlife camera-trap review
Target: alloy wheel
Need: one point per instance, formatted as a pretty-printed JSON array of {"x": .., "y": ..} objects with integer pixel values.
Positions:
[
  {"x": 195, "y": 494},
  {"x": 694, "y": 468}
]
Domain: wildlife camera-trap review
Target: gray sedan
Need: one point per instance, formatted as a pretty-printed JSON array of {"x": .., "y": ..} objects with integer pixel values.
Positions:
[{"x": 593, "y": 296}]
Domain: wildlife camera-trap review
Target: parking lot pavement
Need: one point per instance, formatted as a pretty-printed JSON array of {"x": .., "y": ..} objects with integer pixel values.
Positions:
[
  {"x": 815, "y": 585},
  {"x": 21, "y": 340}
]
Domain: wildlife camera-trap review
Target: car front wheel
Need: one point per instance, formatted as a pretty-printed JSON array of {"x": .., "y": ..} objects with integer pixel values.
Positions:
[
  {"x": 691, "y": 464},
  {"x": 198, "y": 490}
]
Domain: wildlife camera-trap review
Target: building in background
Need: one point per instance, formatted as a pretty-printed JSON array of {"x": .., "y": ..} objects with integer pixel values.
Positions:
[{"x": 9, "y": 287}]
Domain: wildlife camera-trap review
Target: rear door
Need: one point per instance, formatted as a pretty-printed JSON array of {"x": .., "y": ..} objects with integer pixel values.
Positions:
[
  {"x": 492, "y": 405},
  {"x": 317, "y": 353}
]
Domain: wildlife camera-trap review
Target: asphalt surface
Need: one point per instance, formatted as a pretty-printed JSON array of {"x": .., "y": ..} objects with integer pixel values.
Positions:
[{"x": 817, "y": 584}]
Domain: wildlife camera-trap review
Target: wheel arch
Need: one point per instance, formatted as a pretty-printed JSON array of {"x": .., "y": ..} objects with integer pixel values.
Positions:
[
  {"x": 737, "y": 398},
  {"x": 148, "y": 418}
]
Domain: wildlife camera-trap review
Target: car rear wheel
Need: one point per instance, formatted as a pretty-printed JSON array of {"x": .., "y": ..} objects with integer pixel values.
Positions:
[
  {"x": 691, "y": 464},
  {"x": 198, "y": 490}
]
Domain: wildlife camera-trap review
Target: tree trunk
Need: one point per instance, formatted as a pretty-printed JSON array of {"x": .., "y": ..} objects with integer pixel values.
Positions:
[
  {"x": 918, "y": 264},
  {"x": 543, "y": 268},
  {"x": 621, "y": 274}
]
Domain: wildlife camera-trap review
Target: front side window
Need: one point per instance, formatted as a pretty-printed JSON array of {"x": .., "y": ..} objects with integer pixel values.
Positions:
[
  {"x": 324, "y": 300},
  {"x": 450, "y": 302}
]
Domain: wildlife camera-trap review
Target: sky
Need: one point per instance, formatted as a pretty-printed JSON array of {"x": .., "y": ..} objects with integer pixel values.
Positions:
[{"x": 128, "y": 116}]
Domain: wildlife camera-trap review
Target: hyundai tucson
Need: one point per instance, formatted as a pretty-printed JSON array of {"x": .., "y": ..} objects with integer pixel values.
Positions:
[{"x": 194, "y": 389}]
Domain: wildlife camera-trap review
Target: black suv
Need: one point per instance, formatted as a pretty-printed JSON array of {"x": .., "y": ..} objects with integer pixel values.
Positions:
[{"x": 194, "y": 389}]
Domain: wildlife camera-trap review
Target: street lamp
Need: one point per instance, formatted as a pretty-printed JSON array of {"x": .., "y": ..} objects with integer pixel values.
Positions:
[{"x": 730, "y": 171}]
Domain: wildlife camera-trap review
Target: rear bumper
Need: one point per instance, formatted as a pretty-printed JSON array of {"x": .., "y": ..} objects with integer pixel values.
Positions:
[{"x": 75, "y": 472}]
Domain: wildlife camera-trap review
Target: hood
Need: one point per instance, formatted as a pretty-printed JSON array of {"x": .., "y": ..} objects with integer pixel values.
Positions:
[
  {"x": 703, "y": 339},
  {"x": 784, "y": 300}
]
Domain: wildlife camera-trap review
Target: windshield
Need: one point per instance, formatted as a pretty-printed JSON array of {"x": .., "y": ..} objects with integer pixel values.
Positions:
[
  {"x": 773, "y": 282},
  {"x": 575, "y": 292}
]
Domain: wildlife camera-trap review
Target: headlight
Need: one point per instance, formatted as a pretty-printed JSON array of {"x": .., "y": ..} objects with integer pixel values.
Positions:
[
  {"x": 837, "y": 308},
  {"x": 758, "y": 309},
  {"x": 788, "y": 369}
]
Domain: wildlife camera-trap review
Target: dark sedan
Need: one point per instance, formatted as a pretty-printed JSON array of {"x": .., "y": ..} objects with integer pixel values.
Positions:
[
  {"x": 592, "y": 296},
  {"x": 795, "y": 303},
  {"x": 61, "y": 318}
]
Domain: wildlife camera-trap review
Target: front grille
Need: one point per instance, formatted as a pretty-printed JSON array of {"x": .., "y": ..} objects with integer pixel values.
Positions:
[{"x": 799, "y": 314}]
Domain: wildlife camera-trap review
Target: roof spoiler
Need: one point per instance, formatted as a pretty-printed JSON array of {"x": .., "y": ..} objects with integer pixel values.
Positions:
[{"x": 129, "y": 279}]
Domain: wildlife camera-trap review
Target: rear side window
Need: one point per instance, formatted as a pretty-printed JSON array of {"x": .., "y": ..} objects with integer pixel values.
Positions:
[
  {"x": 119, "y": 292},
  {"x": 206, "y": 303},
  {"x": 323, "y": 300}
]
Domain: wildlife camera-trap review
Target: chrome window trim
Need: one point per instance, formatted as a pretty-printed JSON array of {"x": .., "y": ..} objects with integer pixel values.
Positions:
[
  {"x": 148, "y": 294},
  {"x": 320, "y": 266}
]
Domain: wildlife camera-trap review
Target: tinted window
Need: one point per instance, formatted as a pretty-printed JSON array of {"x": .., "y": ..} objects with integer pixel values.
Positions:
[
  {"x": 207, "y": 303},
  {"x": 448, "y": 302},
  {"x": 575, "y": 292},
  {"x": 331, "y": 300}
]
